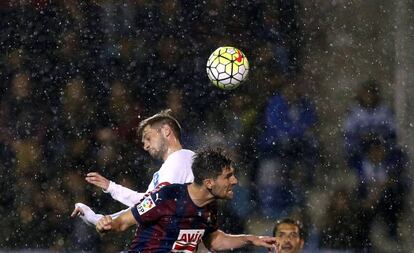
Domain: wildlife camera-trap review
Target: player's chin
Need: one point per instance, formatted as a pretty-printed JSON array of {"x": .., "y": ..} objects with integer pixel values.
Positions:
[
  {"x": 155, "y": 154},
  {"x": 286, "y": 250},
  {"x": 229, "y": 195}
]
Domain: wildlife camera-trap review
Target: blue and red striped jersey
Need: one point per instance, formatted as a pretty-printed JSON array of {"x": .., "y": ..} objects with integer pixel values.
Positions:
[{"x": 169, "y": 221}]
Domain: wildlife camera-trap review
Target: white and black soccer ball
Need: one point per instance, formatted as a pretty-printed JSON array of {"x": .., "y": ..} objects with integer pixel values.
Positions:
[{"x": 227, "y": 67}]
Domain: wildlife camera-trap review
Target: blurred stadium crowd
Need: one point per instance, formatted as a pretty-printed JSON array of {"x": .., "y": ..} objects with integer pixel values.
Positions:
[{"x": 78, "y": 76}]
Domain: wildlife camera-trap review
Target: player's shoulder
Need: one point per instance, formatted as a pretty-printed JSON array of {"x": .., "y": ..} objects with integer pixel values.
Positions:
[
  {"x": 181, "y": 154},
  {"x": 174, "y": 187},
  {"x": 173, "y": 190},
  {"x": 182, "y": 157},
  {"x": 187, "y": 151}
]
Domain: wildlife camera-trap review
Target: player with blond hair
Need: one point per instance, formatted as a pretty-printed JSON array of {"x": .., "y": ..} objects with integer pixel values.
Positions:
[{"x": 160, "y": 135}]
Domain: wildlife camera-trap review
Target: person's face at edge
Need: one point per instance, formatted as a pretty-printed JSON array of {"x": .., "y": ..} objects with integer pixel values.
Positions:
[{"x": 288, "y": 238}]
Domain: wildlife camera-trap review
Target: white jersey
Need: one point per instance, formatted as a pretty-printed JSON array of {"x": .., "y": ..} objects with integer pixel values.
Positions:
[{"x": 176, "y": 169}]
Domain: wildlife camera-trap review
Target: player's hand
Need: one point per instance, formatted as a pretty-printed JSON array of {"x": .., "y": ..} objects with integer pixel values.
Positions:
[
  {"x": 77, "y": 212},
  {"x": 264, "y": 241},
  {"x": 275, "y": 247},
  {"x": 104, "y": 225},
  {"x": 96, "y": 179}
]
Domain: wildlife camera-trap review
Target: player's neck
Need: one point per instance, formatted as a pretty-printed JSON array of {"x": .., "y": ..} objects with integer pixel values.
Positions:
[
  {"x": 174, "y": 146},
  {"x": 199, "y": 195}
]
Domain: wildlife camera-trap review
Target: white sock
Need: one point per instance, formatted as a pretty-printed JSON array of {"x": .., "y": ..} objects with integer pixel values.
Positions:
[{"x": 89, "y": 216}]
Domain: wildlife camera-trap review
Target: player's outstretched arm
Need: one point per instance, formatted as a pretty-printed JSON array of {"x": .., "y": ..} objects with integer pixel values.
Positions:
[
  {"x": 98, "y": 180},
  {"x": 107, "y": 224},
  {"x": 118, "y": 192},
  {"x": 219, "y": 240},
  {"x": 86, "y": 214},
  {"x": 89, "y": 216}
]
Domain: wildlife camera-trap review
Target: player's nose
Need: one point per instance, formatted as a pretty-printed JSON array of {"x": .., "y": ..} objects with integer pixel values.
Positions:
[
  {"x": 146, "y": 146},
  {"x": 234, "y": 180}
]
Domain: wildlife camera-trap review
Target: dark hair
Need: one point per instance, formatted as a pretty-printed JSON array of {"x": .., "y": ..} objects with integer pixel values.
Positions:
[
  {"x": 161, "y": 118},
  {"x": 292, "y": 222},
  {"x": 209, "y": 163}
]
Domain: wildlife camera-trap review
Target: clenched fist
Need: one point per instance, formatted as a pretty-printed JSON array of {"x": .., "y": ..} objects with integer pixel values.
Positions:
[{"x": 104, "y": 225}]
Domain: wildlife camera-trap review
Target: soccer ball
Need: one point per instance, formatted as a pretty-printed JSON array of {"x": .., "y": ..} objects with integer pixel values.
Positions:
[{"x": 227, "y": 67}]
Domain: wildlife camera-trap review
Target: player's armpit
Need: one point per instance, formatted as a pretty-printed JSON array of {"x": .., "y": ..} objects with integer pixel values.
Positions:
[{"x": 210, "y": 239}]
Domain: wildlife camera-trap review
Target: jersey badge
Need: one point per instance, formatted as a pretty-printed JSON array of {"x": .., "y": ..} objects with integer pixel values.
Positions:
[{"x": 146, "y": 204}]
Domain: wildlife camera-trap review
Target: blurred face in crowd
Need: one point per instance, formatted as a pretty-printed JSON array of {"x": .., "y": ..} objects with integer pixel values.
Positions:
[
  {"x": 369, "y": 95},
  {"x": 288, "y": 238},
  {"x": 154, "y": 141},
  {"x": 377, "y": 153},
  {"x": 21, "y": 86}
]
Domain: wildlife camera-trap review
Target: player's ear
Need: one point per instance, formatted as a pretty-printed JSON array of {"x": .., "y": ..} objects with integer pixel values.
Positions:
[
  {"x": 166, "y": 130},
  {"x": 208, "y": 182},
  {"x": 302, "y": 242}
]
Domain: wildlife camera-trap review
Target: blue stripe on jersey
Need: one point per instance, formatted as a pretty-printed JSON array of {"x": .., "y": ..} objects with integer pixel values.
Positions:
[
  {"x": 180, "y": 210},
  {"x": 145, "y": 235},
  {"x": 155, "y": 179},
  {"x": 149, "y": 235},
  {"x": 186, "y": 206}
]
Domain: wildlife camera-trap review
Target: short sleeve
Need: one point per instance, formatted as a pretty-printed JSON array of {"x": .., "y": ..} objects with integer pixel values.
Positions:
[
  {"x": 172, "y": 173},
  {"x": 176, "y": 169},
  {"x": 150, "y": 208}
]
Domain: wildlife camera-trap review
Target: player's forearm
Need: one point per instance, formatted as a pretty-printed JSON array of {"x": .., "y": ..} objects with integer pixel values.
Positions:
[
  {"x": 113, "y": 228},
  {"x": 123, "y": 222},
  {"x": 124, "y": 195},
  {"x": 228, "y": 242},
  {"x": 91, "y": 218},
  {"x": 119, "y": 226},
  {"x": 88, "y": 215},
  {"x": 108, "y": 225},
  {"x": 117, "y": 214}
]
